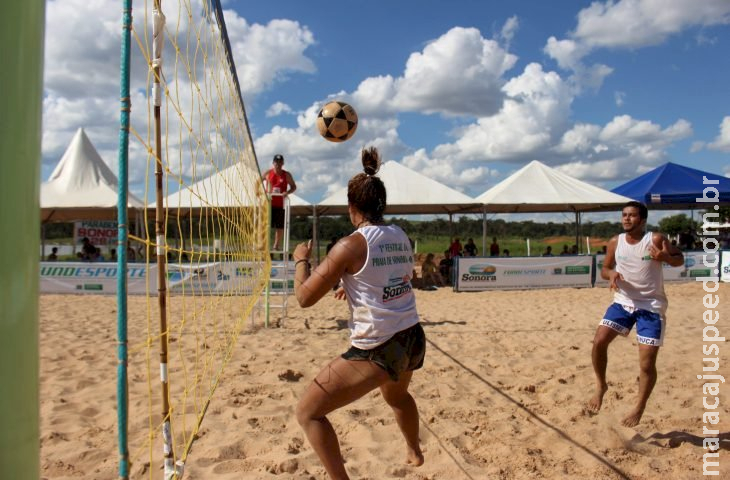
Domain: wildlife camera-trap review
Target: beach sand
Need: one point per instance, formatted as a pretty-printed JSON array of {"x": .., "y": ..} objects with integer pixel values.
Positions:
[{"x": 501, "y": 395}]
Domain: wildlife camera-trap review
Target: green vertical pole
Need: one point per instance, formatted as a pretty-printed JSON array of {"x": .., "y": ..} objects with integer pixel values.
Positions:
[{"x": 21, "y": 84}]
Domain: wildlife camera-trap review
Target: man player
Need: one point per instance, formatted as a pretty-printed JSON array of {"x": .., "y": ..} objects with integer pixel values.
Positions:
[{"x": 633, "y": 267}]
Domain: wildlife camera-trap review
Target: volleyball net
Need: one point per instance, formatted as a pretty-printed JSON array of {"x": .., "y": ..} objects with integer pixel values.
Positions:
[{"x": 203, "y": 236}]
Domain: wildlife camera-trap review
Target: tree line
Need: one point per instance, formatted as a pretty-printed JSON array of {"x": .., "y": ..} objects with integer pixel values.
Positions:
[{"x": 465, "y": 226}]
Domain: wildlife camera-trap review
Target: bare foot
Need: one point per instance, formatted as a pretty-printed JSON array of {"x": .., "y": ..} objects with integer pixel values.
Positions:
[
  {"x": 633, "y": 418},
  {"x": 594, "y": 404},
  {"x": 414, "y": 457}
]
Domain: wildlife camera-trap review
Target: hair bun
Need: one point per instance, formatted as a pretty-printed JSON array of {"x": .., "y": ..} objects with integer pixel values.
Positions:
[{"x": 370, "y": 161}]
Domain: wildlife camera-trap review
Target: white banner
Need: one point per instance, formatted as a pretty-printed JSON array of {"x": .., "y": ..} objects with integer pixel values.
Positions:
[
  {"x": 100, "y": 233},
  {"x": 486, "y": 273},
  {"x": 201, "y": 279},
  {"x": 725, "y": 266},
  {"x": 692, "y": 268}
]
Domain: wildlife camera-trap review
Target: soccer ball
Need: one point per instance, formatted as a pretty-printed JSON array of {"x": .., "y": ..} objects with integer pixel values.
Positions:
[{"x": 337, "y": 121}]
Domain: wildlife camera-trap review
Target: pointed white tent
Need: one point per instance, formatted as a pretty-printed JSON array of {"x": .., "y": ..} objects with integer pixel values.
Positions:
[
  {"x": 232, "y": 187},
  {"x": 82, "y": 186},
  {"x": 409, "y": 192},
  {"x": 539, "y": 188}
]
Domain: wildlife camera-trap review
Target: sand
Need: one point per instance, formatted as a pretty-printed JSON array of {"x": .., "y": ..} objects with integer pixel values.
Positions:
[{"x": 501, "y": 395}]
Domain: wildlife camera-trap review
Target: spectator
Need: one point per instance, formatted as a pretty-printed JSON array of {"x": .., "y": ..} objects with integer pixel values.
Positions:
[
  {"x": 455, "y": 248},
  {"x": 97, "y": 255},
  {"x": 470, "y": 249},
  {"x": 445, "y": 266},
  {"x": 565, "y": 250},
  {"x": 574, "y": 250},
  {"x": 494, "y": 248},
  {"x": 430, "y": 275},
  {"x": 548, "y": 252},
  {"x": 88, "y": 250},
  {"x": 686, "y": 240},
  {"x": 113, "y": 255},
  {"x": 53, "y": 256},
  {"x": 505, "y": 253},
  {"x": 131, "y": 254}
]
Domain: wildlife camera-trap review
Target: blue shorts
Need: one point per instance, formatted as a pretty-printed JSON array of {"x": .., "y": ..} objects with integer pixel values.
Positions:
[{"x": 649, "y": 325}]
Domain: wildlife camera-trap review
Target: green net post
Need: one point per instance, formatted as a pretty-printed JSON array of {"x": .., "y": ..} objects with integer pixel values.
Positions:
[{"x": 21, "y": 78}]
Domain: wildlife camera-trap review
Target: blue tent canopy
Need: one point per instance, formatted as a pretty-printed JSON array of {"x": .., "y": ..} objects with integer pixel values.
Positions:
[{"x": 673, "y": 186}]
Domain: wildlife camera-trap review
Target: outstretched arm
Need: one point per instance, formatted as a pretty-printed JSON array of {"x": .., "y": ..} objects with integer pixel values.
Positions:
[
  {"x": 348, "y": 255},
  {"x": 662, "y": 250}
]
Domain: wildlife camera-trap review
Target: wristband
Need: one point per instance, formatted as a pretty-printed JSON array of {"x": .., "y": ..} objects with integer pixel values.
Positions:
[{"x": 306, "y": 260}]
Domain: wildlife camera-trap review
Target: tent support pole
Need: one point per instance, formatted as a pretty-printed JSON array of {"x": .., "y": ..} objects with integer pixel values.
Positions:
[
  {"x": 484, "y": 231},
  {"x": 577, "y": 229}
]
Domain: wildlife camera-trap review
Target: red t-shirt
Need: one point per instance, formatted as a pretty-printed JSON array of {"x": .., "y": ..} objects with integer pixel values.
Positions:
[{"x": 277, "y": 184}]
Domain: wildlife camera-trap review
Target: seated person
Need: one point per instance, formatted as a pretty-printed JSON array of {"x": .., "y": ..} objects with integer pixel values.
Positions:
[
  {"x": 505, "y": 253},
  {"x": 430, "y": 274},
  {"x": 53, "y": 256},
  {"x": 548, "y": 252},
  {"x": 445, "y": 266}
]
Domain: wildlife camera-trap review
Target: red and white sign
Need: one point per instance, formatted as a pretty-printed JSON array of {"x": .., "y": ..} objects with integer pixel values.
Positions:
[{"x": 99, "y": 233}]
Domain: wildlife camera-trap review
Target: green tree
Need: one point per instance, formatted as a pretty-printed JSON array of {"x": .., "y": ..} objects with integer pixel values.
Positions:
[{"x": 675, "y": 224}]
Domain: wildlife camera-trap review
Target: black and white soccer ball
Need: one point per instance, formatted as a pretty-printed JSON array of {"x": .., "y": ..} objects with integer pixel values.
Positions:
[{"x": 337, "y": 121}]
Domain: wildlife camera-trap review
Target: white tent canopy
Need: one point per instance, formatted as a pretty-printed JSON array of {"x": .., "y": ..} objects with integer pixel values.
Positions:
[
  {"x": 409, "y": 192},
  {"x": 234, "y": 186},
  {"x": 82, "y": 186},
  {"x": 539, "y": 188}
]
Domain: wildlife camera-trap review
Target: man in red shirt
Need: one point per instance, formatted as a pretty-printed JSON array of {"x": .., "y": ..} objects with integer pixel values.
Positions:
[{"x": 279, "y": 184}]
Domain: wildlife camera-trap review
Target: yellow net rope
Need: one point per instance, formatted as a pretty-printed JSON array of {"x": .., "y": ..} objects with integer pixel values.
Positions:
[{"x": 204, "y": 243}]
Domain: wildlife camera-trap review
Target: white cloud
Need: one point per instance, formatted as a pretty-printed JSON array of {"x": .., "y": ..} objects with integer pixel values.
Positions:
[
  {"x": 619, "y": 98},
  {"x": 722, "y": 141},
  {"x": 536, "y": 109},
  {"x": 457, "y": 175},
  {"x": 618, "y": 150},
  {"x": 81, "y": 82},
  {"x": 265, "y": 54},
  {"x": 278, "y": 108},
  {"x": 509, "y": 29},
  {"x": 629, "y": 24},
  {"x": 460, "y": 73},
  {"x": 641, "y": 23}
]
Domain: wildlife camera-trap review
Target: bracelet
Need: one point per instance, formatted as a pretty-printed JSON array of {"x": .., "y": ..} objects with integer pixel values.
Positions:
[{"x": 306, "y": 260}]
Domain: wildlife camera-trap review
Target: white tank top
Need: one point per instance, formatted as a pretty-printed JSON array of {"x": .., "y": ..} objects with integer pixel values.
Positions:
[
  {"x": 643, "y": 284},
  {"x": 380, "y": 295}
]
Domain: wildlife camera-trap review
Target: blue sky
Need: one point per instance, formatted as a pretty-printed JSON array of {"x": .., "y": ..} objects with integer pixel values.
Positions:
[{"x": 463, "y": 91}]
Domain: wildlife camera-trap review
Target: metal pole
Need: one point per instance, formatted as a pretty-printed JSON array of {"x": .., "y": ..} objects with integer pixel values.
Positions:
[{"x": 122, "y": 343}]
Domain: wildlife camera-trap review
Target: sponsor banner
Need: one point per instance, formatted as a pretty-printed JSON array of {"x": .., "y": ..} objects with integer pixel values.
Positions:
[
  {"x": 100, "y": 233},
  {"x": 486, "y": 273},
  {"x": 200, "y": 279},
  {"x": 725, "y": 266},
  {"x": 692, "y": 268},
  {"x": 87, "y": 277}
]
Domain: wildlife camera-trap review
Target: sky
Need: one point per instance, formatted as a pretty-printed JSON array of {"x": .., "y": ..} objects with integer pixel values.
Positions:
[{"x": 463, "y": 91}]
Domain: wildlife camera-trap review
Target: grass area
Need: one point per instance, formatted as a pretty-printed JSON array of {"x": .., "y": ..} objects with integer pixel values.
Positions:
[
  {"x": 437, "y": 244},
  {"x": 516, "y": 246}
]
